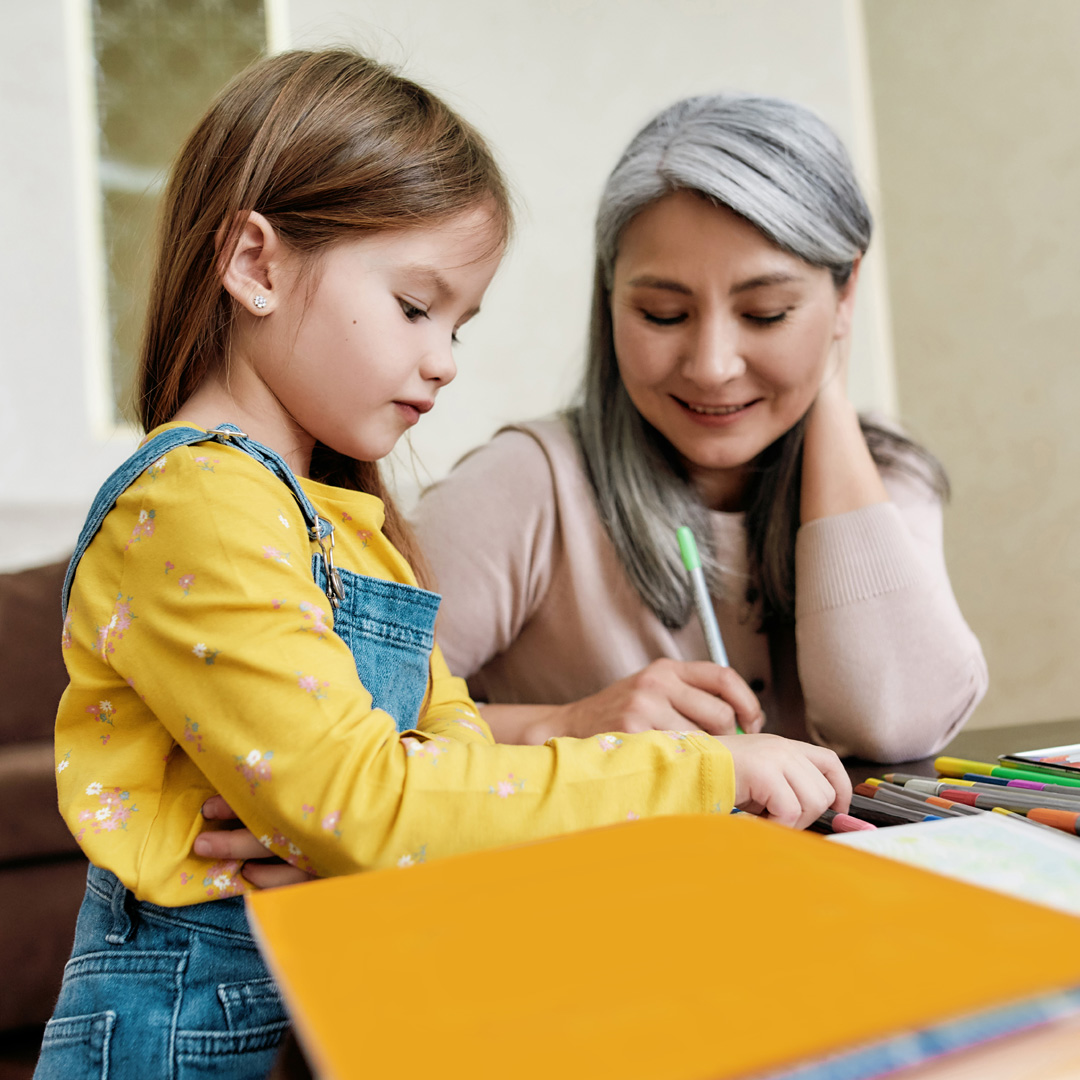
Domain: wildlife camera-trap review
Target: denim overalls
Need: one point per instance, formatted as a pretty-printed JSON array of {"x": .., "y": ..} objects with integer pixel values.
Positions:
[{"x": 158, "y": 993}]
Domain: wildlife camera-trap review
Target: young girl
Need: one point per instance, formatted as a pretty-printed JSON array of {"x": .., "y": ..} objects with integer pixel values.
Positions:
[{"x": 241, "y": 613}]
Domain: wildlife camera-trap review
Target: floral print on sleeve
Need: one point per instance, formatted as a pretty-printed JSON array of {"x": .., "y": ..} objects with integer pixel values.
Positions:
[
  {"x": 113, "y": 812},
  {"x": 255, "y": 768},
  {"x": 432, "y": 749},
  {"x": 114, "y": 630},
  {"x": 223, "y": 879},
  {"x": 505, "y": 788},
  {"x": 414, "y": 858},
  {"x": 316, "y": 687},
  {"x": 157, "y": 468},
  {"x": 65, "y": 634},
  {"x": 316, "y": 617},
  {"x": 205, "y": 653},
  {"x": 144, "y": 527},
  {"x": 329, "y": 822},
  {"x": 193, "y": 735},
  {"x": 103, "y": 712}
]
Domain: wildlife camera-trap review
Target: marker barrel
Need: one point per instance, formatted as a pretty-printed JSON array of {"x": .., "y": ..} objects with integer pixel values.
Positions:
[{"x": 1065, "y": 820}]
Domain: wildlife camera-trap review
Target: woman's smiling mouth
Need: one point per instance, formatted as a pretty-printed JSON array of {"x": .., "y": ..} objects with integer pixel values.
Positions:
[{"x": 715, "y": 414}]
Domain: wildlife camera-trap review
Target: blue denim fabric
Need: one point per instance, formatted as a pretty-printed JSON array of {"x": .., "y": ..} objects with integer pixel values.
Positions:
[
  {"x": 155, "y": 993},
  {"x": 390, "y": 630},
  {"x": 161, "y": 993}
]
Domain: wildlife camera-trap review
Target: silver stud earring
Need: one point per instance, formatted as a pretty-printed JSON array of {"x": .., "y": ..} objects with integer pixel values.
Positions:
[{"x": 259, "y": 302}]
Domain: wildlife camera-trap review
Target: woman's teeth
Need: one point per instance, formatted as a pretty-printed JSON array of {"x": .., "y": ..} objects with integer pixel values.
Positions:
[{"x": 714, "y": 410}]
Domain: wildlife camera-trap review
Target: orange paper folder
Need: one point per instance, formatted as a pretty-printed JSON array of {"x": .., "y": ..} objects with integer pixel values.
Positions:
[{"x": 677, "y": 948}]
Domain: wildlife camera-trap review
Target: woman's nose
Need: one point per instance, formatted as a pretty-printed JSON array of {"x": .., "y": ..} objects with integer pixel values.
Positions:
[{"x": 715, "y": 353}]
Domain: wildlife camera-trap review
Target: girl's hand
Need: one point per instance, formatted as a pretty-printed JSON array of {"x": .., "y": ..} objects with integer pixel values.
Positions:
[
  {"x": 788, "y": 781},
  {"x": 260, "y": 868},
  {"x": 668, "y": 695}
]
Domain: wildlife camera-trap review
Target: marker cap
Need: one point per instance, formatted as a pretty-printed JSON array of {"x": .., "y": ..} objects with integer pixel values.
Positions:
[{"x": 688, "y": 548}]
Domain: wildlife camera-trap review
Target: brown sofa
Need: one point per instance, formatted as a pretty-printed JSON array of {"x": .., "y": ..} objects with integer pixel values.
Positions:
[{"x": 42, "y": 871}]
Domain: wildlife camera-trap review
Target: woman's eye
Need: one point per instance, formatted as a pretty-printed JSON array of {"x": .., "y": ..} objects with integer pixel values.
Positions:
[
  {"x": 765, "y": 320},
  {"x": 663, "y": 320},
  {"x": 411, "y": 311}
]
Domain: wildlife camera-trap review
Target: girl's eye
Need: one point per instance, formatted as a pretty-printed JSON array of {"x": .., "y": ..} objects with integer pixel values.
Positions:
[
  {"x": 454, "y": 339},
  {"x": 766, "y": 320},
  {"x": 411, "y": 311},
  {"x": 660, "y": 320}
]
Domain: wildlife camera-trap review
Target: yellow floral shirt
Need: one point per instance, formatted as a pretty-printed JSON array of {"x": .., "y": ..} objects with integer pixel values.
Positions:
[{"x": 202, "y": 660}]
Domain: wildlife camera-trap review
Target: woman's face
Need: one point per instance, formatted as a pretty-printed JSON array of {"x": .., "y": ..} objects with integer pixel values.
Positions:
[{"x": 722, "y": 339}]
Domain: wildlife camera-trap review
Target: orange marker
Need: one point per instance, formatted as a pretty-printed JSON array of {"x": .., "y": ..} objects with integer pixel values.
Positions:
[{"x": 1065, "y": 820}]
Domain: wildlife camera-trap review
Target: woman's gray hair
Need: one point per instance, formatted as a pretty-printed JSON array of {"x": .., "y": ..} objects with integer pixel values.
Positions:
[{"x": 781, "y": 168}]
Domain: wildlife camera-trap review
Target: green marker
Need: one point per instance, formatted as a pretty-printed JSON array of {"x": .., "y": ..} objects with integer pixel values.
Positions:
[
  {"x": 949, "y": 766},
  {"x": 702, "y": 600}
]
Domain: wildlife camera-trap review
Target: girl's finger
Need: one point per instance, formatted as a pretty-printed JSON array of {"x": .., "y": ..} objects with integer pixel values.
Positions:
[{"x": 832, "y": 768}]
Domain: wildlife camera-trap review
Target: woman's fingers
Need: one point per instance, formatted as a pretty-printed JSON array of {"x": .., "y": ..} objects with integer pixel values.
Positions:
[
  {"x": 702, "y": 709},
  {"x": 217, "y": 809},
  {"x": 728, "y": 689},
  {"x": 229, "y": 844},
  {"x": 272, "y": 875}
]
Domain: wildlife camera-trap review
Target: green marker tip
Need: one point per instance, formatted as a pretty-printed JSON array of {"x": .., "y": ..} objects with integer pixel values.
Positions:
[{"x": 688, "y": 547}]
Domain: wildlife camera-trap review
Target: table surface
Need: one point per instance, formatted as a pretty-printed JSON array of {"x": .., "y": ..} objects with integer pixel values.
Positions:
[{"x": 980, "y": 745}]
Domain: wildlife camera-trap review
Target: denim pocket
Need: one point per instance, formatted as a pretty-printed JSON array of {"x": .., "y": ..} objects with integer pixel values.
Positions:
[
  {"x": 390, "y": 630},
  {"x": 76, "y": 1048},
  {"x": 251, "y": 1004}
]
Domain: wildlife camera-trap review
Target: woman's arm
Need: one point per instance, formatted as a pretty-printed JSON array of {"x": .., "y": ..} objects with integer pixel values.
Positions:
[
  {"x": 491, "y": 531},
  {"x": 838, "y": 474},
  {"x": 888, "y": 666}
]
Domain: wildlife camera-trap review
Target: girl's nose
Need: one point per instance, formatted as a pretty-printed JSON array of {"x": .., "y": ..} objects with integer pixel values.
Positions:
[
  {"x": 438, "y": 364},
  {"x": 715, "y": 353}
]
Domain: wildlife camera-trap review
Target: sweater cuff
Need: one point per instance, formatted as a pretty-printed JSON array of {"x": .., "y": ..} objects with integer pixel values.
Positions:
[
  {"x": 717, "y": 775},
  {"x": 853, "y": 557}
]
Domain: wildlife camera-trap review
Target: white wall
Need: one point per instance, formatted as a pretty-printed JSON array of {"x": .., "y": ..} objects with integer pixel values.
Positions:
[
  {"x": 57, "y": 445},
  {"x": 559, "y": 86}
]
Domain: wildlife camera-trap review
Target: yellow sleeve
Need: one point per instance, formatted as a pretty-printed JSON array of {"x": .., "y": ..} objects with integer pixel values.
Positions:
[{"x": 288, "y": 733}]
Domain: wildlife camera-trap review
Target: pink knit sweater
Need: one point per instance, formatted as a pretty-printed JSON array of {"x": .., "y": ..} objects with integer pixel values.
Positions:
[{"x": 537, "y": 609}]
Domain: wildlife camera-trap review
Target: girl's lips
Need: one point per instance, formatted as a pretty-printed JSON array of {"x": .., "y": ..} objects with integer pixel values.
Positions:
[
  {"x": 413, "y": 410},
  {"x": 715, "y": 415}
]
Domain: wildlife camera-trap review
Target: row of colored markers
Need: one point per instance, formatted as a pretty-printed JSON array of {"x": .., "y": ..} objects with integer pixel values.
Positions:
[{"x": 1042, "y": 798}]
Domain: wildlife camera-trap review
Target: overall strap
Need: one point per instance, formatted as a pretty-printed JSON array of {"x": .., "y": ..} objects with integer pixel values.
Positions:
[{"x": 123, "y": 477}]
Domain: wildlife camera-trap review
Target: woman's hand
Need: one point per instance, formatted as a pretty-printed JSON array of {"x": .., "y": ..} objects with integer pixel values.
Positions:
[
  {"x": 668, "y": 695},
  {"x": 260, "y": 867},
  {"x": 788, "y": 781}
]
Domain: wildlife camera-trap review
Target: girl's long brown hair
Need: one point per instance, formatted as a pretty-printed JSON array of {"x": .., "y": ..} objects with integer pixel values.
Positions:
[{"x": 326, "y": 146}]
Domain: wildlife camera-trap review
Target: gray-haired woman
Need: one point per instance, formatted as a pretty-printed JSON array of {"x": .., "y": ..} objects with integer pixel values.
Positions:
[{"x": 729, "y": 239}]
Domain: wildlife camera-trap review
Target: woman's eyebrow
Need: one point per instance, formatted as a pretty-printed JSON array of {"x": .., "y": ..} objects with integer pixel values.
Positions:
[
  {"x": 648, "y": 281},
  {"x": 780, "y": 277}
]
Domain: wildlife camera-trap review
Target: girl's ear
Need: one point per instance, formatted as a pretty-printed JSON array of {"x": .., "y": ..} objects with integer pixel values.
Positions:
[
  {"x": 252, "y": 273},
  {"x": 845, "y": 303}
]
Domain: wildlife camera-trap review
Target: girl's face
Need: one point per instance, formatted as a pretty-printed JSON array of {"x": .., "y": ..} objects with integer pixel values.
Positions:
[
  {"x": 722, "y": 339},
  {"x": 355, "y": 355}
]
